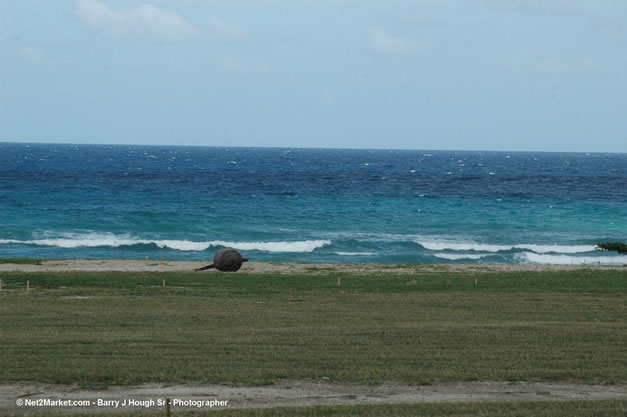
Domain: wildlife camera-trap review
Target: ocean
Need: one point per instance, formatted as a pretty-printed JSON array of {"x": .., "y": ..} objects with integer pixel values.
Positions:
[{"x": 310, "y": 205}]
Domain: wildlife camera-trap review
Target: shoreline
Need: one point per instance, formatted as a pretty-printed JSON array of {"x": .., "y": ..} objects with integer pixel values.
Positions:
[{"x": 118, "y": 265}]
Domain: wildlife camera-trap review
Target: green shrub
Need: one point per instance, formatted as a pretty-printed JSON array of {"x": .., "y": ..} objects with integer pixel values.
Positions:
[{"x": 613, "y": 246}]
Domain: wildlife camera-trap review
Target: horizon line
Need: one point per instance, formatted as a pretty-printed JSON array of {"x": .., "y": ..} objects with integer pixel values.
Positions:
[{"x": 303, "y": 147}]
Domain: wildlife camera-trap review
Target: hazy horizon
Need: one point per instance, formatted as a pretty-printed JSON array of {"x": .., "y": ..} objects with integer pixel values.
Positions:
[{"x": 301, "y": 147}]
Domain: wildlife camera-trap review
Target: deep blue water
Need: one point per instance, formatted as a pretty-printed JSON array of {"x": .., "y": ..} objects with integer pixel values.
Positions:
[{"x": 317, "y": 205}]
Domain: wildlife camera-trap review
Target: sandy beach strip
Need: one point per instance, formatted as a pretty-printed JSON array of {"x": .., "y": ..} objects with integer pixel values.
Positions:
[{"x": 282, "y": 268}]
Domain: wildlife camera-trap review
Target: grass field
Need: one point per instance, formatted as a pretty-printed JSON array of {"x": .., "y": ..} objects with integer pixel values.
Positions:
[
  {"x": 99, "y": 329},
  {"x": 608, "y": 408}
]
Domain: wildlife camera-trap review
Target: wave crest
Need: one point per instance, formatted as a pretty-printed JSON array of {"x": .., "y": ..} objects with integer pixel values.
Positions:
[
  {"x": 482, "y": 247},
  {"x": 109, "y": 240},
  {"x": 455, "y": 256},
  {"x": 535, "y": 258}
]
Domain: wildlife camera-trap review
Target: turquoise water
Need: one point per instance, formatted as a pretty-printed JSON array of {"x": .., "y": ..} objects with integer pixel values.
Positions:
[{"x": 313, "y": 205}]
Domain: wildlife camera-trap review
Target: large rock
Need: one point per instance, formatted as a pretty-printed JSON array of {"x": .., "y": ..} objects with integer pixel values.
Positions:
[{"x": 226, "y": 260}]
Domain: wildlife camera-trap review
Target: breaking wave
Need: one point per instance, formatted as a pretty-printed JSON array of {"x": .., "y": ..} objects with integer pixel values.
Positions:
[
  {"x": 528, "y": 257},
  {"x": 355, "y": 253},
  {"x": 455, "y": 256},
  {"x": 110, "y": 240},
  {"x": 481, "y": 247}
]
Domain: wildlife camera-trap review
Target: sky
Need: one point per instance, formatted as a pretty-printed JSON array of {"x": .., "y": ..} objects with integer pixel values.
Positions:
[{"x": 515, "y": 75}]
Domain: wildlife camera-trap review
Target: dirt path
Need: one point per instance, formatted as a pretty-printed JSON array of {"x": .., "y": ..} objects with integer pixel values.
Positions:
[
  {"x": 280, "y": 268},
  {"x": 292, "y": 393}
]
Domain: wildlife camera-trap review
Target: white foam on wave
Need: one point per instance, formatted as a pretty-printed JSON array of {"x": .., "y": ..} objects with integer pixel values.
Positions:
[
  {"x": 184, "y": 245},
  {"x": 355, "y": 253},
  {"x": 92, "y": 240},
  {"x": 558, "y": 248},
  {"x": 482, "y": 247},
  {"x": 443, "y": 245},
  {"x": 88, "y": 240},
  {"x": 455, "y": 256},
  {"x": 535, "y": 258},
  {"x": 294, "y": 246}
]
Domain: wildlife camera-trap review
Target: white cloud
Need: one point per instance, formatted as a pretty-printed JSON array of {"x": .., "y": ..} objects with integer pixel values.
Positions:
[
  {"x": 382, "y": 41},
  {"x": 146, "y": 20},
  {"x": 226, "y": 31}
]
